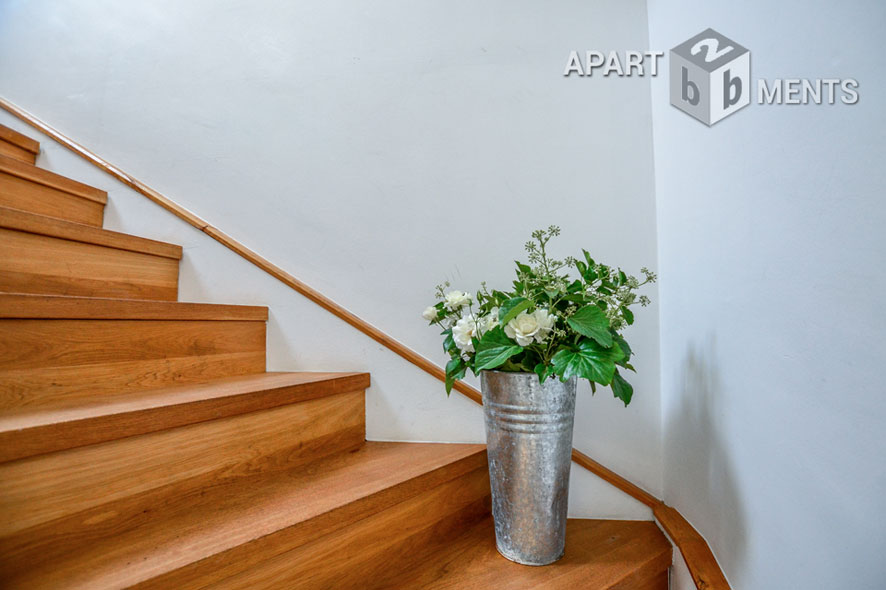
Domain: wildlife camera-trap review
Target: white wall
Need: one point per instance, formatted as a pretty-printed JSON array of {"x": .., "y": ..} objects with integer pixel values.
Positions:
[
  {"x": 372, "y": 150},
  {"x": 771, "y": 249}
]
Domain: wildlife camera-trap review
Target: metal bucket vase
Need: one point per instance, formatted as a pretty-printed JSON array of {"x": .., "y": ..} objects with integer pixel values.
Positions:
[{"x": 529, "y": 443}]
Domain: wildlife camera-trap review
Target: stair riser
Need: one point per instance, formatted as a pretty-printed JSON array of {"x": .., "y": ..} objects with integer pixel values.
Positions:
[
  {"x": 21, "y": 438},
  {"x": 31, "y": 263},
  {"x": 371, "y": 548},
  {"x": 93, "y": 491},
  {"x": 50, "y": 360},
  {"x": 13, "y": 151},
  {"x": 354, "y": 551},
  {"x": 455, "y": 491},
  {"x": 26, "y": 195}
]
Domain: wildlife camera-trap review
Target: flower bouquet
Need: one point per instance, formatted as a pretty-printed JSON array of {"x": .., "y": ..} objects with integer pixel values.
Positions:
[
  {"x": 529, "y": 345},
  {"x": 549, "y": 323}
]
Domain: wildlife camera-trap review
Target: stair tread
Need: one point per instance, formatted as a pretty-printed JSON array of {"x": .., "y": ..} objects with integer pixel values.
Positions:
[
  {"x": 32, "y": 173},
  {"x": 28, "y": 306},
  {"x": 23, "y": 141},
  {"x": 209, "y": 521},
  {"x": 600, "y": 554},
  {"x": 54, "y": 227},
  {"x": 69, "y": 423}
]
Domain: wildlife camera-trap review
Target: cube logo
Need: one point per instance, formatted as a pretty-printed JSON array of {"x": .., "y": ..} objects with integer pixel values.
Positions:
[{"x": 710, "y": 76}]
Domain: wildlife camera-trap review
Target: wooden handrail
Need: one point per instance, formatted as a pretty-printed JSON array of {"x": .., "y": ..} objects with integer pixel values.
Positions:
[{"x": 704, "y": 568}]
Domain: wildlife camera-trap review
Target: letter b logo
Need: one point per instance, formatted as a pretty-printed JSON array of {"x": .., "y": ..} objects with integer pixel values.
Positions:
[{"x": 710, "y": 76}]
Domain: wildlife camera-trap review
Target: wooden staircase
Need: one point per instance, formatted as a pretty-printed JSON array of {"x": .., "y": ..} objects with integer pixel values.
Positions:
[{"x": 143, "y": 444}]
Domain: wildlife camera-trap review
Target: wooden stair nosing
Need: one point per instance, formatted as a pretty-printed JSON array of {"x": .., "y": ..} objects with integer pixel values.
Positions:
[
  {"x": 367, "y": 551},
  {"x": 251, "y": 519},
  {"x": 62, "y": 307},
  {"x": 43, "y": 177},
  {"x": 33, "y": 431},
  {"x": 59, "y": 495},
  {"x": 53, "y": 227},
  {"x": 24, "y": 142},
  {"x": 11, "y": 150}
]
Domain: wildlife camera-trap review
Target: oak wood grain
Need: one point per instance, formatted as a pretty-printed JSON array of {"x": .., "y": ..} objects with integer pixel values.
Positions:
[
  {"x": 367, "y": 553},
  {"x": 44, "y": 361},
  {"x": 74, "y": 423},
  {"x": 43, "y": 225},
  {"x": 32, "y": 263},
  {"x": 19, "y": 140},
  {"x": 230, "y": 527},
  {"x": 11, "y": 150},
  {"x": 40, "y": 178},
  {"x": 45, "y": 488},
  {"x": 600, "y": 554},
  {"x": 16, "y": 193},
  {"x": 29, "y": 306}
]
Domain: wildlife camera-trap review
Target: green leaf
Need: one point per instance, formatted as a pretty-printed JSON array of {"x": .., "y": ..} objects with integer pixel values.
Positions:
[
  {"x": 621, "y": 388},
  {"x": 628, "y": 315},
  {"x": 543, "y": 371},
  {"x": 494, "y": 349},
  {"x": 523, "y": 268},
  {"x": 590, "y": 321},
  {"x": 511, "y": 367},
  {"x": 512, "y": 308},
  {"x": 626, "y": 349},
  {"x": 588, "y": 361},
  {"x": 455, "y": 369},
  {"x": 448, "y": 342}
]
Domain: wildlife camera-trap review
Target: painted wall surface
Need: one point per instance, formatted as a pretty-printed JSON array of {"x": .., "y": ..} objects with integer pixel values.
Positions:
[
  {"x": 771, "y": 246},
  {"x": 372, "y": 150}
]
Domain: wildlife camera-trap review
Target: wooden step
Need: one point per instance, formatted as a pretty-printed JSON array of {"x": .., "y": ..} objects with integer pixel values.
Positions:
[
  {"x": 32, "y": 189},
  {"x": 600, "y": 555},
  {"x": 44, "y": 255},
  {"x": 15, "y": 145},
  {"x": 51, "y": 348},
  {"x": 122, "y": 479},
  {"x": 318, "y": 519},
  {"x": 75, "y": 423}
]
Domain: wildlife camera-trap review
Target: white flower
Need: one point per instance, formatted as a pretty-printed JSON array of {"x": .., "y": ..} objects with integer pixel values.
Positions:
[
  {"x": 528, "y": 326},
  {"x": 462, "y": 332},
  {"x": 489, "y": 321},
  {"x": 546, "y": 323},
  {"x": 430, "y": 313},
  {"x": 457, "y": 299}
]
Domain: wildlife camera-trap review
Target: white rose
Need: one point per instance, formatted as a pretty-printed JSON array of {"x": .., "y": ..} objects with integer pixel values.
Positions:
[
  {"x": 457, "y": 299},
  {"x": 489, "y": 321},
  {"x": 462, "y": 332},
  {"x": 546, "y": 323},
  {"x": 430, "y": 313},
  {"x": 522, "y": 328},
  {"x": 527, "y": 327}
]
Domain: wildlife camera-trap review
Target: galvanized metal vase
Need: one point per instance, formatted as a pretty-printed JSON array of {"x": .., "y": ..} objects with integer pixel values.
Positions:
[{"x": 529, "y": 443}]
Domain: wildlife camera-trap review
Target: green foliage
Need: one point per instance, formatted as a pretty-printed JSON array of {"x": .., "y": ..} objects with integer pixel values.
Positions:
[
  {"x": 512, "y": 308},
  {"x": 494, "y": 349},
  {"x": 587, "y": 360},
  {"x": 549, "y": 323},
  {"x": 590, "y": 321}
]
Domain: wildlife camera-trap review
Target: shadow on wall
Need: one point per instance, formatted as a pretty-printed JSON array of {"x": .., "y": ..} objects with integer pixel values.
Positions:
[{"x": 700, "y": 464}]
